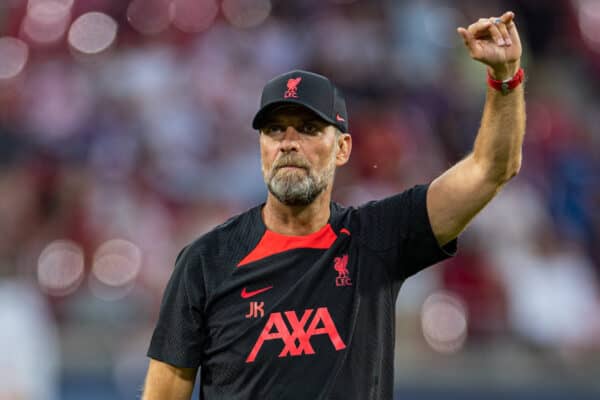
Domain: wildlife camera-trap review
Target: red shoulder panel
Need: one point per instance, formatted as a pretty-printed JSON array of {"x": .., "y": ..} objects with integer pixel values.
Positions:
[{"x": 273, "y": 243}]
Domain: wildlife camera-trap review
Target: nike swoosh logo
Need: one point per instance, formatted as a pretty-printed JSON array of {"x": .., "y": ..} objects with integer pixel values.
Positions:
[{"x": 247, "y": 295}]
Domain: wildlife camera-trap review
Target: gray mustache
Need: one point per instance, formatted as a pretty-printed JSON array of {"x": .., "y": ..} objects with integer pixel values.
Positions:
[{"x": 290, "y": 162}]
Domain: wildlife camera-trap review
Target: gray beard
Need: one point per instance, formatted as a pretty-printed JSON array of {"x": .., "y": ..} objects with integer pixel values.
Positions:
[
  {"x": 294, "y": 190},
  {"x": 299, "y": 188}
]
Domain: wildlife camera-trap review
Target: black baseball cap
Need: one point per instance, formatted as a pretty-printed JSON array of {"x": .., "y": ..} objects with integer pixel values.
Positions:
[{"x": 313, "y": 91}]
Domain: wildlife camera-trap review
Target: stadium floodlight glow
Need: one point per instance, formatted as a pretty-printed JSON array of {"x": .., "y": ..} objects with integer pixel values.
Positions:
[
  {"x": 14, "y": 54},
  {"x": 193, "y": 15},
  {"x": 246, "y": 13},
  {"x": 46, "y": 21},
  {"x": 60, "y": 268},
  {"x": 92, "y": 33},
  {"x": 149, "y": 17}
]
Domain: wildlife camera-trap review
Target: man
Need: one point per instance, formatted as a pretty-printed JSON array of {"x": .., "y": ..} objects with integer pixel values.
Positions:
[{"x": 294, "y": 299}]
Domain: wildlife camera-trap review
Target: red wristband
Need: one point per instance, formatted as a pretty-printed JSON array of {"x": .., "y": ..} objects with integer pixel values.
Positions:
[{"x": 509, "y": 84}]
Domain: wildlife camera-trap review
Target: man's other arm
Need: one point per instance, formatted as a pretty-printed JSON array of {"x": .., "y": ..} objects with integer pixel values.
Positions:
[
  {"x": 165, "y": 381},
  {"x": 456, "y": 196}
]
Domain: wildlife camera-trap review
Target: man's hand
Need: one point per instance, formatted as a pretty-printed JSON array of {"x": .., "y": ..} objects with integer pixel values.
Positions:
[{"x": 495, "y": 42}]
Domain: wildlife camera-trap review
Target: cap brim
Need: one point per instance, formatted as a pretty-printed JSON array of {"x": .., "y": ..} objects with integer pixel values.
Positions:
[{"x": 269, "y": 107}]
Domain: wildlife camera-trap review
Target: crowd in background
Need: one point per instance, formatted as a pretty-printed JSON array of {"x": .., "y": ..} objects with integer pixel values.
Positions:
[{"x": 147, "y": 145}]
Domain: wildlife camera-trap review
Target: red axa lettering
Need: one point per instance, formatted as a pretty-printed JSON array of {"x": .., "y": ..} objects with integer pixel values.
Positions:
[{"x": 297, "y": 342}]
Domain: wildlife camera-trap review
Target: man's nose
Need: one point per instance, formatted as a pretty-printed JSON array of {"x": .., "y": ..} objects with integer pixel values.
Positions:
[{"x": 290, "y": 140}]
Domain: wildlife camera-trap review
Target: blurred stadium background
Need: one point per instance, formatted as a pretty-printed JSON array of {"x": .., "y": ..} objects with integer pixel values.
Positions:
[{"x": 125, "y": 133}]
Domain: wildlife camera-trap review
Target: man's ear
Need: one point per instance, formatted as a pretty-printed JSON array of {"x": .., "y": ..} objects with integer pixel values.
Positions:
[{"x": 344, "y": 148}]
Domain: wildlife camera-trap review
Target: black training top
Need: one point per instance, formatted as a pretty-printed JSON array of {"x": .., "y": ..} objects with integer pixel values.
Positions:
[{"x": 269, "y": 316}]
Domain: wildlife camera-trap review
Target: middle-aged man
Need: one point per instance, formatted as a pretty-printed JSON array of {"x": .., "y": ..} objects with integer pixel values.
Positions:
[{"x": 294, "y": 299}]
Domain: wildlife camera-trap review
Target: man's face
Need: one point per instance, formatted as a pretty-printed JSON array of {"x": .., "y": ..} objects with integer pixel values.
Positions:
[{"x": 299, "y": 153}]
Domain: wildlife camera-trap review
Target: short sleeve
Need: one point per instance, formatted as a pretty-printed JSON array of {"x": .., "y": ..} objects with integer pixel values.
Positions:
[
  {"x": 398, "y": 228},
  {"x": 179, "y": 334}
]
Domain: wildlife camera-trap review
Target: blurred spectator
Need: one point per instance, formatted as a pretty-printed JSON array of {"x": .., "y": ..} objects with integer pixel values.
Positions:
[
  {"x": 554, "y": 300},
  {"x": 470, "y": 276},
  {"x": 29, "y": 348}
]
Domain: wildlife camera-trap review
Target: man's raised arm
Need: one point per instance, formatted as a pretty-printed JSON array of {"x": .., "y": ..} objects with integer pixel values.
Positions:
[{"x": 456, "y": 196}]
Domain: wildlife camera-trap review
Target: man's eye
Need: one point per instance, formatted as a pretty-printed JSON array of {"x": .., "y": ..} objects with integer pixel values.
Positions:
[
  {"x": 273, "y": 129},
  {"x": 309, "y": 129}
]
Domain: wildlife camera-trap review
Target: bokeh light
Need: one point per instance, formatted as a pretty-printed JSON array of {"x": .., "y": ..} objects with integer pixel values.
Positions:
[
  {"x": 117, "y": 262},
  {"x": 46, "y": 21},
  {"x": 589, "y": 22},
  {"x": 13, "y": 57},
  {"x": 149, "y": 17},
  {"x": 60, "y": 268},
  {"x": 194, "y": 16},
  {"x": 106, "y": 292},
  {"x": 246, "y": 13},
  {"x": 444, "y": 322},
  {"x": 93, "y": 33},
  {"x": 66, "y": 3}
]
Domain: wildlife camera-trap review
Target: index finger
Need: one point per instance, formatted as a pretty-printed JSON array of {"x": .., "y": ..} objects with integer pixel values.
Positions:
[
  {"x": 477, "y": 28},
  {"x": 507, "y": 17},
  {"x": 512, "y": 31}
]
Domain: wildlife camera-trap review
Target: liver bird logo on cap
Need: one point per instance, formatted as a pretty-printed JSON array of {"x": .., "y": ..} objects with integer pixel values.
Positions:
[{"x": 292, "y": 88}]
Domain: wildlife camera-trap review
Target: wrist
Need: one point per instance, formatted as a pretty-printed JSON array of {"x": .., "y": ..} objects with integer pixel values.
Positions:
[
  {"x": 504, "y": 72},
  {"x": 507, "y": 85}
]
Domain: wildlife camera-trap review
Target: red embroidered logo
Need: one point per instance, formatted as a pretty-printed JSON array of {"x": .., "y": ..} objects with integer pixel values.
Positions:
[
  {"x": 247, "y": 295},
  {"x": 297, "y": 342},
  {"x": 340, "y": 264},
  {"x": 339, "y": 118},
  {"x": 292, "y": 88}
]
